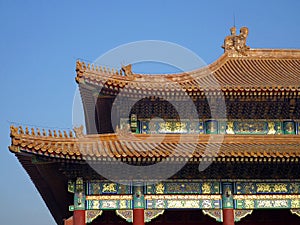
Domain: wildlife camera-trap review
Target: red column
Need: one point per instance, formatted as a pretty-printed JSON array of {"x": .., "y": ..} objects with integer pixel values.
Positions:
[
  {"x": 69, "y": 221},
  {"x": 79, "y": 217},
  {"x": 228, "y": 217},
  {"x": 138, "y": 217}
]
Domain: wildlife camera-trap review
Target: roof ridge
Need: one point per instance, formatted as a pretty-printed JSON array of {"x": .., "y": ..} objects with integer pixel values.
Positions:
[
  {"x": 83, "y": 68},
  {"x": 92, "y": 148},
  {"x": 38, "y": 132},
  {"x": 273, "y": 53}
]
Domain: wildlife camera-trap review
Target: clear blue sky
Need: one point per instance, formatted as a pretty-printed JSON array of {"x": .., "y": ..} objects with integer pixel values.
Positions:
[{"x": 41, "y": 40}]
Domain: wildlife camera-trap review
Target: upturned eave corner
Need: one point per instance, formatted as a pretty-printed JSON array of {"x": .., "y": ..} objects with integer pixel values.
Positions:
[
  {"x": 14, "y": 133},
  {"x": 80, "y": 68},
  {"x": 14, "y": 149}
]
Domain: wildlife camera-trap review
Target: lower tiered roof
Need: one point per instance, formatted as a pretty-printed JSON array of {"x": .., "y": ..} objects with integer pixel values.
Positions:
[
  {"x": 54, "y": 158},
  {"x": 144, "y": 147}
]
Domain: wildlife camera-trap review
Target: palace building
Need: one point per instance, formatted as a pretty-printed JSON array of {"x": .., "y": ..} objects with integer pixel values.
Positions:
[{"x": 245, "y": 137}]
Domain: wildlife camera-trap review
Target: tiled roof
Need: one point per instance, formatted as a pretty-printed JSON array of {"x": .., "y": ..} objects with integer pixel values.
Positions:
[
  {"x": 257, "y": 70},
  {"x": 146, "y": 147}
]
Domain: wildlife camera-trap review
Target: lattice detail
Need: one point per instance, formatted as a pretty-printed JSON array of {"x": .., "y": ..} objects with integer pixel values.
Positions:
[
  {"x": 217, "y": 214},
  {"x": 90, "y": 215},
  {"x": 214, "y": 213},
  {"x": 152, "y": 214},
  {"x": 125, "y": 214},
  {"x": 149, "y": 214},
  {"x": 296, "y": 212},
  {"x": 239, "y": 214}
]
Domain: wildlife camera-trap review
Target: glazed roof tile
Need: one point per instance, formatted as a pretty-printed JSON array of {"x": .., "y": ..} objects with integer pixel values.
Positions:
[
  {"x": 157, "y": 146},
  {"x": 258, "y": 69}
]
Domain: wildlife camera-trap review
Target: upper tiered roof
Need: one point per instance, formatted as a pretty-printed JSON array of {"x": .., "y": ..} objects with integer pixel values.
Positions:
[
  {"x": 240, "y": 68},
  {"x": 259, "y": 69}
]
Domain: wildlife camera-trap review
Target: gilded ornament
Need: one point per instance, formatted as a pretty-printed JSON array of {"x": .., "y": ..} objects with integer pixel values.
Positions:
[
  {"x": 229, "y": 129},
  {"x": 236, "y": 44},
  {"x": 271, "y": 126},
  {"x": 183, "y": 197},
  {"x": 95, "y": 204},
  {"x": 206, "y": 188},
  {"x": 159, "y": 188},
  {"x": 249, "y": 204},
  {"x": 109, "y": 197},
  {"x": 295, "y": 203},
  {"x": 109, "y": 204},
  {"x": 160, "y": 204},
  {"x": 206, "y": 204},
  {"x": 272, "y": 203},
  {"x": 173, "y": 127},
  {"x": 108, "y": 188},
  {"x": 263, "y": 188},
  {"x": 123, "y": 204},
  {"x": 280, "y": 188},
  {"x": 180, "y": 204}
]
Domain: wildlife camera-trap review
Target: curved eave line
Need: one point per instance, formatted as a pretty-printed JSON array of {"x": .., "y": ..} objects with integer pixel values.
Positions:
[{"x": 276, "y": 64}]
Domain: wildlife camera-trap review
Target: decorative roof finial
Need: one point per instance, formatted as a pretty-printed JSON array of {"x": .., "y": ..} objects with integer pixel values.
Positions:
[
  {"x": 236, "y": 44},
  {"x": 127, "y": 70},
  {"x": 78, "y": 131}
]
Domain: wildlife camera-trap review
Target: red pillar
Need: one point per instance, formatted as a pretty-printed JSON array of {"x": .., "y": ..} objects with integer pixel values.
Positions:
[
  {"x": 79, "y": 217},
  {"x": 228, "y": 217},
  {"x": 69, "y": 221},
  {"x": 138, "y": 217}
]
